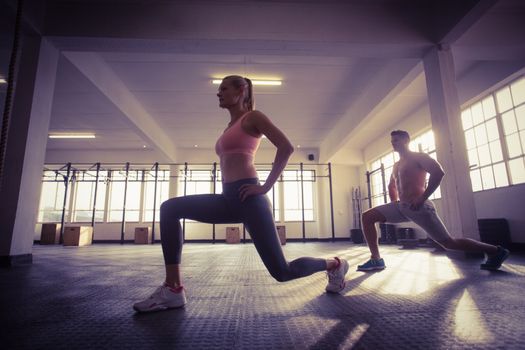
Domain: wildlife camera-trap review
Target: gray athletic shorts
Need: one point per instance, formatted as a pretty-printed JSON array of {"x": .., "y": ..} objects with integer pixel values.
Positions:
[{"x": 425, "y": 217}]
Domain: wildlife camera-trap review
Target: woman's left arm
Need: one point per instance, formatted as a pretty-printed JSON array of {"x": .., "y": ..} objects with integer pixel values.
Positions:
[{"x": 260, "y": 123}]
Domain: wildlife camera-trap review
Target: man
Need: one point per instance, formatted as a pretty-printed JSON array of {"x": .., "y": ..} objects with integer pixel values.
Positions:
[{"x": 409, "y": 202}]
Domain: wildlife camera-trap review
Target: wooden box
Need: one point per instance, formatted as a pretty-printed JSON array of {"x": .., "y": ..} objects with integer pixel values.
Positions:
[
  {"x": 233, "y": 235},
  {"x": 50, "y": 233},
  {"x": 142, "y": 235},
  {"x": 78, "y": 235},
  {"x": 281, "y": 231}
]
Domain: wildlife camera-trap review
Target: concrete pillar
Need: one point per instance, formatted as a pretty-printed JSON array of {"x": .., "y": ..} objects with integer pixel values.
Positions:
[
  {"x": 458, "y": 208},
  {"x": 174, "y": 180},
  {"x": 25, "y": 151}
]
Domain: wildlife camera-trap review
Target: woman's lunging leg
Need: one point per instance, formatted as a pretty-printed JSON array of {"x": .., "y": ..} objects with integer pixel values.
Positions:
[
  {"x": 259, "y": 221},
  {"x": 209, "y": 208}
]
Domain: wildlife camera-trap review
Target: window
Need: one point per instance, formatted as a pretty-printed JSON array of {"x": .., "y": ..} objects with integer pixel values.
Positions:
[
  {"x": 426, "y": 143},
  {"x": 514, "y": 129},
  {"x": 377, "y": 185},
  {"x": 495, "y": 138},
  {"x": 163, "y": 184},
  {"x": 85, "y": 196},
  {"x": 483, "y": 145},
  {"x": 197, "y": 182},
  {"x": 293, "y": 194},
  {"x": 138, "y": 186},
  {"x": 132, "y": 192},
  {"x": 52, "y": 198}
]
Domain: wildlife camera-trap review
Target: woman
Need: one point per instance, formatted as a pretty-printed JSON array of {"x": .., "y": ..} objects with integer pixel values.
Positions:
[{"x": 243, "y": 200}]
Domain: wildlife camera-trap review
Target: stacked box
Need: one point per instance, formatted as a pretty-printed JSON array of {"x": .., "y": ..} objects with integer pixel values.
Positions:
[
  {"x": 78, "y": 235},
  {"x": 142, "y": 235},
  {"x": 50, "y": 233},
  {"x": 233, "y": 235}
]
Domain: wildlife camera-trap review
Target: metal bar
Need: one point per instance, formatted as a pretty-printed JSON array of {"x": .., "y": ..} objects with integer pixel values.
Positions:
[
  {"x": 185, "y": 182},
  {"x": 66, "y": 182},
  {"x": 302, "y": 203},
  {"x": 384, "y": 182},
  {"x": 273, "y": 202},
  {"x": 123, "y": 225},
  {"x": 95, "y": 200},
  {"x": 331, "y": 200},
  {"x": 369, "y": 189},
  {"x": 375, "y": 171},
  {"x": 154, "y": 203},
  {"x": 64, "y": 171},
  {"x": 214, "y": 178},
  {"x": 174, "y": 164},
  {"x": 359, "y": 207}
]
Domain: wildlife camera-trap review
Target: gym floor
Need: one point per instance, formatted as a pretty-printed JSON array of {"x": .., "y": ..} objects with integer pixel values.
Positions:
[{"x": 81, "y": 298}]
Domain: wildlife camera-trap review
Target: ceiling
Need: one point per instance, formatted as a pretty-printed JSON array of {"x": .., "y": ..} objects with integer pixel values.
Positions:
[{"x": 138, "y": 73}]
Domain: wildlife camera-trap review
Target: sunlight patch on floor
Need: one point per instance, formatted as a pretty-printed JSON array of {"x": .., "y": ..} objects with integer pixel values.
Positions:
[
  {"x": 354, "y": 336},
  {"x": 336, "y": 326},
  {"x": 469, "y": 324},
  {"x": 515, "y": 269},
  {"x": 412, "y": 273}
]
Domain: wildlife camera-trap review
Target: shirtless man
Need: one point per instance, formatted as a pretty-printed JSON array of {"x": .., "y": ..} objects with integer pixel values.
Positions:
[{"x": 409, "y": 202}]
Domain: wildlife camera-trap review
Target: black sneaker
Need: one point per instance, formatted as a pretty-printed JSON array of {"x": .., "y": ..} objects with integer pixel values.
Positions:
[{"x": 494, "y": 262}]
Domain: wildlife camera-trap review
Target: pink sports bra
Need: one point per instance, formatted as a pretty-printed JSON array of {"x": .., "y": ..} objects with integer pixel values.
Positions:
[{"x": 236, "y": 140}]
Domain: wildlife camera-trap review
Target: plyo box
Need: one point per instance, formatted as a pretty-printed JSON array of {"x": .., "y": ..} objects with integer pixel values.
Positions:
[
  {"x": 142, "y": 235},
  {"x": 233, "y": 235},
  {"x": 78, "y": 235},
  {"x": 50, "y": 233}
]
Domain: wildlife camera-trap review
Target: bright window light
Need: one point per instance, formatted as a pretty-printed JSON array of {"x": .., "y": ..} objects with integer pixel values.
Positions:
[
  {"x": 72, "y": 136},
  {"x": 255, "y": 82},
  {"x": 3, "y": 81}
]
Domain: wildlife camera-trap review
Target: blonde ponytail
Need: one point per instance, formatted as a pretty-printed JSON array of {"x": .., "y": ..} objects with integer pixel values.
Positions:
[{"x": 249, "y": 96}]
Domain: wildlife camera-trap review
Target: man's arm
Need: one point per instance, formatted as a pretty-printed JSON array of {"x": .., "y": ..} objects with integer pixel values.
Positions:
[
  {"x": 435, "y": 170},
  {"x": 392, "y": 189}
]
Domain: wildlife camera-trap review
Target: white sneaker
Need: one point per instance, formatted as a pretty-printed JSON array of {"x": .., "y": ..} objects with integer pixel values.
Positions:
[
  {"x": 336, "y": 277},
  {"x": 163, "y": 298}
]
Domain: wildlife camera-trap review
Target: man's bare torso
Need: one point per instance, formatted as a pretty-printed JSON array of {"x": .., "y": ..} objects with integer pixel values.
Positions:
[{"x": 410, "y": 177}]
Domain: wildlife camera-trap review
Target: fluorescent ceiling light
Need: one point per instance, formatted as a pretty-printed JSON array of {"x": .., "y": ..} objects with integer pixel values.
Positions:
[
  {"x": 71, "y": 136},
  {"x": 255, "y": 82},
  {"x": 3, "y": 81}
]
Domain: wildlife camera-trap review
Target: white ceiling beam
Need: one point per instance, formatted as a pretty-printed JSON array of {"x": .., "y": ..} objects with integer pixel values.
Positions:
[
  {"x": 502, "y": 53},
  {"x": 467, "y": 21},
  {"x": 378, "y": 94},
  {"x": 98, "y": 72},
  {"x": 382, "y": 50}
]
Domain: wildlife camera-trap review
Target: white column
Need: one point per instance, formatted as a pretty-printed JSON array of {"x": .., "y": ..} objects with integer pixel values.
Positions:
[
  {"x": 458, "y": 208},
  {"x": 26, "y": 148},
  {"x": 174, "y": 180}
]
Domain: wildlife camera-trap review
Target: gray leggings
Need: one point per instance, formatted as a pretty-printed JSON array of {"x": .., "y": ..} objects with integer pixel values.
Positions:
[{"x": 226, "y": 208}]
